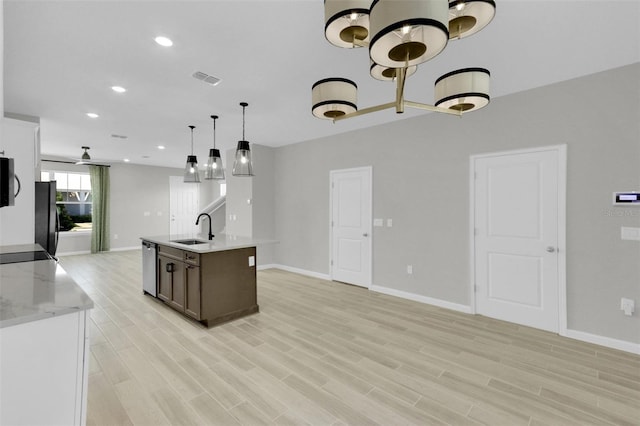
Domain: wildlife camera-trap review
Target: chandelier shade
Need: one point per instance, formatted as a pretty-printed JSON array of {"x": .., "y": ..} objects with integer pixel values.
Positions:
[
  {"x": 388, "y": 74},
  {"x": 406, "y": 33},
  {"x": 333, "y": 97},
  {"x": 463, "y": 90},
  {"x": 346, "y": 22},
  {"x": 467, "y": 17},
  {"x": 191, "y": 174},
  {"x": 214, "y": 168}
]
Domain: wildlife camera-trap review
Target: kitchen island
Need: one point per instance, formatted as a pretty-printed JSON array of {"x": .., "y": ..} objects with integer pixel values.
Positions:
[
  {"x": 43, "y": 340},
  {"x": 211, "y": 281}
]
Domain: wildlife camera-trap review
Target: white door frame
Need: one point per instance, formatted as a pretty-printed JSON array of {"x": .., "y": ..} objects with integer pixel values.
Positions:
[
  {"x": 562, "y": 226},
  {"x": 368, "y": 169}
]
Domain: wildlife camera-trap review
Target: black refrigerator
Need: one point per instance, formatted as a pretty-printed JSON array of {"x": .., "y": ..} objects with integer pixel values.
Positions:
[{"x": 46, "y": 222}]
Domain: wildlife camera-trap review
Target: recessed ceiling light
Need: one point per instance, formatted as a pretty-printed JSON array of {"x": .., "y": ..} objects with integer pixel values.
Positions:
[
  {"x": 126, "y": 160},
  {"x": 118, "y": 89},
  {"x": 161, "y": 147},
  {"x": 92, "y": 115},
  {"x": 164, "y": 41}
]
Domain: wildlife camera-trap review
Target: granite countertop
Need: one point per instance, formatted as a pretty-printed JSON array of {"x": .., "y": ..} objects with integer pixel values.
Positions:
[
  {"x": 220, "y": 242},
  {"x": 31, "y": 291}
]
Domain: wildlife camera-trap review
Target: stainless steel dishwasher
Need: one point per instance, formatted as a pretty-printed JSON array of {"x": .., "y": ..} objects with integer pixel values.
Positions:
[{"x": 149, "y": 262}]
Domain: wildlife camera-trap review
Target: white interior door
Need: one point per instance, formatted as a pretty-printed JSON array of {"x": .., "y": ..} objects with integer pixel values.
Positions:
[
  {"x": 517, "y": 237},
  {"x": 351, "y": 226},
  {"x": 184, "y": 205}
]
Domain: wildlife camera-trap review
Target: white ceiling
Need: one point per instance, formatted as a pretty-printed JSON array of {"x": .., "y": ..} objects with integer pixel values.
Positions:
[{"x": 62, "y": 57}]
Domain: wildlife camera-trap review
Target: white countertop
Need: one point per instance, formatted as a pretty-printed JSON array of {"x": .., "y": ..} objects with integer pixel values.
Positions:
[
  {"x": 31, "y": 291},
  {"x": 220, "y": 242}
]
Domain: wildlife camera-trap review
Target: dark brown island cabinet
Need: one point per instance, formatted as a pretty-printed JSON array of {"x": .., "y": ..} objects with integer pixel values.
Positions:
[{"x": 212, "y": 287}]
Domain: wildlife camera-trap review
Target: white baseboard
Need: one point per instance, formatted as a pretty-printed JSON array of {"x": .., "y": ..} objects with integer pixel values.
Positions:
[
  {"x": 572, "y": 334},
  {"x": 622, "y": 345},
  {"x": 422, "y": 299},
  {"x": 298, "y": 271},
  {"x": 73, "y": 253},
  {"x": 267, "y": 266},
  {"x": 127, "y": 248}
]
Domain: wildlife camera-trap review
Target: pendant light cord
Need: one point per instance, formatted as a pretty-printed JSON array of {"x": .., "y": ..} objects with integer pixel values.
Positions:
[
  {"x": 243, "y": 105},
  {"x": 192, "y": 127},
  {"x": 214, "y": 117}
]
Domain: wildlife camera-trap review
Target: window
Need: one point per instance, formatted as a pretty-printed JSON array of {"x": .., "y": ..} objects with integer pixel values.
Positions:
[{"x": 73, "y": 199}]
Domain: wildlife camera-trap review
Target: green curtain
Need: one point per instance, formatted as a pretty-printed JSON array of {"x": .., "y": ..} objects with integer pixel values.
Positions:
[{"x": 100, "y": 216}]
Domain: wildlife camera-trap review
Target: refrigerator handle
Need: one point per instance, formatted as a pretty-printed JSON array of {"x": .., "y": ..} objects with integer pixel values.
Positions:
[{"x": 57, "y": 228}]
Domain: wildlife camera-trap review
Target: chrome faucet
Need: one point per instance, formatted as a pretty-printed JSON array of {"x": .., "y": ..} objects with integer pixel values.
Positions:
[{"x": 198, "y": 220}]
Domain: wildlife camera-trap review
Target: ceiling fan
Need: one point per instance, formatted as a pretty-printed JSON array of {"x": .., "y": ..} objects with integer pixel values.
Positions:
[{"x": 85, "y": 159}]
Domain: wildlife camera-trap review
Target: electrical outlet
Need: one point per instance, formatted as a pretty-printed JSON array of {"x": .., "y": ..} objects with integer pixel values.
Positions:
[
  {"x": 628, "y": 306},
  {"x": 409, "y": 269}
]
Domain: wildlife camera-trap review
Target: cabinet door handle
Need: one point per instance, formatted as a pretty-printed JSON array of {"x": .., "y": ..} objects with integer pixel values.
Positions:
[{"x": 169, "y": 267}]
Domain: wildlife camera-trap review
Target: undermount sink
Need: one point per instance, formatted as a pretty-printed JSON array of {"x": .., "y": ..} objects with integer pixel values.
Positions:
[{"x": 190, "y": 242}]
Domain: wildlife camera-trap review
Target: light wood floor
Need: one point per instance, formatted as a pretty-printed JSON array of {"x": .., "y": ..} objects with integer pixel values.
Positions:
[{"x": 324, "y": 353}]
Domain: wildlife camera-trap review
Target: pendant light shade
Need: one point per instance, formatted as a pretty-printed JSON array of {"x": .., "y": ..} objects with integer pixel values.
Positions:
[
  {"x": 243, "y": 165},
  {"x": 346, "y": 22},
  {"x": 214, "y": 168},
  {"x": 333, "y": 97},
  {"x": 191, "y": 168},
  {"x": 388, "y": 74},
  {"x": 467, "y": 17},
  {"x": 463, "y": 90},
  {"x": 407, "y": 32}
]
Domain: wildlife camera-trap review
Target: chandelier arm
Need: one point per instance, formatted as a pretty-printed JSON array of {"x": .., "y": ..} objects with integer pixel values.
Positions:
[
  {"x": 400, "y": 80},
  {"x": 360, "y": 43},
  {"x": 366, "y": 111},
  {"x": 427, "y": 107}
]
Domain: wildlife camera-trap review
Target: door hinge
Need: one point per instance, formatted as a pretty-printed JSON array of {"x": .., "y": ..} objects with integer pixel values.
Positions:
[
  {"x": 475, "y": 175},
  {"x": 475, "y": 231},
  {"x": 332, "y": 263}
]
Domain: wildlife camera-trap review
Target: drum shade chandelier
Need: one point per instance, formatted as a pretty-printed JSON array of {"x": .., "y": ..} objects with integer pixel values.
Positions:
[
  {"x": 214, "y": 169},
  {"x": 401, "y": 34}
]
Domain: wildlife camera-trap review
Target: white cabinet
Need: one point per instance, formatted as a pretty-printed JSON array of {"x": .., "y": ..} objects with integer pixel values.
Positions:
[
  {"x": 44, "y": 371},
  {"x": 20, "y": 140}
]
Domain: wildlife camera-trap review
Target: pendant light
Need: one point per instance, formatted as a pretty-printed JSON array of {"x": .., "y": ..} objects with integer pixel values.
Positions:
[
  {"x": 191, "y": 168},
  {"x": 214, "y": 168},
  {"x": 243, "y": 166}
]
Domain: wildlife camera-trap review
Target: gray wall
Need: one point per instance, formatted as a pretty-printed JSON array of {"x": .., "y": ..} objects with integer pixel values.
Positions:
[
  {"x": 135, "y": 191},
  {"x": 421, "y": 181},
  {"x": 251, "y": 200}
]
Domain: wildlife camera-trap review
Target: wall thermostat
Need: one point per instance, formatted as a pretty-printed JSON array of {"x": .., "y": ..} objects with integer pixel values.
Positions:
[{"x": 631, "y": 198}]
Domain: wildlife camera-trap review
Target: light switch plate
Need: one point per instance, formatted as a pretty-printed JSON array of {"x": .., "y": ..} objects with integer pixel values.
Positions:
[
  {"x": 252, "y": 261},
  {"x": 389, "y": 223},
  {"x": 629, "y": 233},
  {"x": 377, "y": 222}
]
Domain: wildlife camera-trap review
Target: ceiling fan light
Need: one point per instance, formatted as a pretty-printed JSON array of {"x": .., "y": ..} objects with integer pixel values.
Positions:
[
  {"x": 467, "y": 17},
  {"x": 333, "y": 97},
  {"x": 464, "y": 90},
  {"x": 388, "y": 74},
  {"x": 346, "y": 21},
  {"x": 407, "y": 31},
  {"x": 243, "y": 166}
]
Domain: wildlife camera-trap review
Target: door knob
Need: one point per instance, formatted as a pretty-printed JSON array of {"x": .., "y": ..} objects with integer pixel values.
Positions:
[
  {"x": 365, "y": 235},
  {"x": 551, "y": 249}
]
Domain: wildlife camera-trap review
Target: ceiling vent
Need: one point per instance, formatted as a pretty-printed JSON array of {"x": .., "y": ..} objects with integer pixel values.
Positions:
[
  {"x": 209, "y": 79},
  {"x": 119, "y": 136}
]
